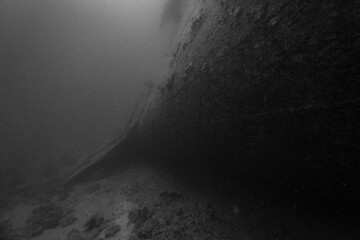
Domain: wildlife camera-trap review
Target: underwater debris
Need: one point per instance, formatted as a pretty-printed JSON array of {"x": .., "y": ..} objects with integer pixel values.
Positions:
[
  {"x": 139, "y": 216},
  {"x": 74, "y": 234},
  {"x": 46, "y": 217},
  {"x": 6, "y": 231},
  {"x": 196, "y": 26},
  {"x": 67, "y": 221},
  {"x": 112, "y": 231},
  {"x": 95, "y": 221},
  {"x": 169, "y": 195}
]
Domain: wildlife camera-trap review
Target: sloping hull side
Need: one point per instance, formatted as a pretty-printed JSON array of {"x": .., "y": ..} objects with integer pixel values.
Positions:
[
  {"x": 264, "y": 90},
  {"x": 269, "y": 88}
]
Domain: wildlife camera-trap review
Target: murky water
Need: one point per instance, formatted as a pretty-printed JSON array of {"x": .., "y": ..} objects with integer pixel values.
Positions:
[{"x": 179, "y": 119}]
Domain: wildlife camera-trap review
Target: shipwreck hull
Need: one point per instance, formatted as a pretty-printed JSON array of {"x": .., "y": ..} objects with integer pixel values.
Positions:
[
  {"x": 267, "y": 90},
  {"x": 270, "y": 88}
]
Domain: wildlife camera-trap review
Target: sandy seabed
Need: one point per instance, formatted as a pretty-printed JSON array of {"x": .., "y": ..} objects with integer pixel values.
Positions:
[{"x": 146, "y": 203}]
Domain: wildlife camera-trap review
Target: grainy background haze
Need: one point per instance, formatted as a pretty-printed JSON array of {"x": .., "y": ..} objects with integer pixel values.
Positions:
[{"x": 70, "y": 73}]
